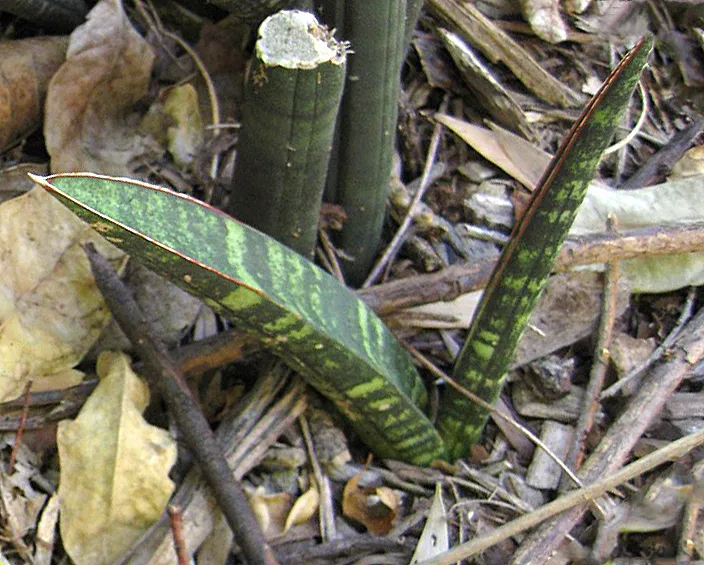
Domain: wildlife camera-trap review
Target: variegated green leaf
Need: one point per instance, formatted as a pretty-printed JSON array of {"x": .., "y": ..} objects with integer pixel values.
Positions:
[
  {"x": 528, "y": 258},
  {"x": 316, "y": 325}
]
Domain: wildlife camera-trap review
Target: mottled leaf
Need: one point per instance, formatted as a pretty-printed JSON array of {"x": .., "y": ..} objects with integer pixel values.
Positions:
[
  {"x": 317, "y": 326},
  {"x": 528, "y": 258}
]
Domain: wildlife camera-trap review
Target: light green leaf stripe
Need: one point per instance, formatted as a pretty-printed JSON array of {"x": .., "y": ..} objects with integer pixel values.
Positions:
[{"x": 316, "y": 325}]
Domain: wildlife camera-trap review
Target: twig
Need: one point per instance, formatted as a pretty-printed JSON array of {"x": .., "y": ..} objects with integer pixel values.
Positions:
[
  {"x": 329, "y": 256},
  {"x": 326, "y": 512},
  {"x": 663, "y": 160},
  {"x": 600, "y": 361},
  {"x": 20, "y": 428},
  {"x": 176, "y": 523},
  {"x": 671, "y": 452},
  {"x": 351, "y": 546},
  {"x": 622, "y": 435},
  {"x": 400, "y": 234},
  {"x": 191, "y": 423},
  {"x": 643, "y": 366},
  {"x": 456, "y": 280},
  {"x": 693, "y": 506}
]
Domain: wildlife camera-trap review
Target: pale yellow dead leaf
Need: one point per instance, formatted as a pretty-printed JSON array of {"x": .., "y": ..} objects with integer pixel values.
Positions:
[
  {"x": 50, "y": 310},
  {"x": 304, "y": 508},
  {"x": 57, "y": 381},
  {"x": 114, "y": 480},
  {"x": 186, "y": 137},
  {"x": 89, "y": 124},
  {"x": 374, "y": 507}
]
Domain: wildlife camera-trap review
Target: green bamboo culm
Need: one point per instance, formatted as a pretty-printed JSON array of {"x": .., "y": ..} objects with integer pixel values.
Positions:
[
  {"x": 361, "y": 167},
  {"x": 291, "y": 102},
  {"x": 528, "y": 258}
]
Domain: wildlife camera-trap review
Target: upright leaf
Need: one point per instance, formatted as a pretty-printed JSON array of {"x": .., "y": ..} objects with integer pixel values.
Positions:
[{"x": 527, "y": 260}]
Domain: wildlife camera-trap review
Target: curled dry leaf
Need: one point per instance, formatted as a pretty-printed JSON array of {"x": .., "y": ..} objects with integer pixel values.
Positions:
[
  {"x": 88, "y": 123},
  {"x": 114, "y": 480},
  {"x": 50, "y": 310},
  {"x": 304, "y": 508},
  {"x": 374, "y": 507},
  {"x": 26, "y": 67}
]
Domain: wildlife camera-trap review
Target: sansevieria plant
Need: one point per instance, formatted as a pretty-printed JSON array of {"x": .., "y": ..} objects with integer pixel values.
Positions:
[{"x": 319, "y": 327}]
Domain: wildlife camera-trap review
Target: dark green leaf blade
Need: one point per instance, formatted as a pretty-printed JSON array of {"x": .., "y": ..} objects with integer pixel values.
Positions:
[
  {"x": 313, "y": 323},
  {"x": 528, "y": 258}
]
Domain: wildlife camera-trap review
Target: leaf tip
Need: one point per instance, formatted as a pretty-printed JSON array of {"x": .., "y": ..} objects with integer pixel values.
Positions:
[{"x": 40, "y": 180}]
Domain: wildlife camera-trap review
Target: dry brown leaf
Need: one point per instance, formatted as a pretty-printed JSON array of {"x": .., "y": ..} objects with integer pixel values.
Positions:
[
  {"x": 655, "y": 507},
  {"x": 374, "y": 507},
  {"x": 528, "y": 158},
  {"x": 26, "y": 67},
  {"x": 493, "y": 148},
  {"x": 89, "y": 123},
  {"x": 457, "y": 313},
  {"x": 216, "y": 548},
  {"x": 114, "y": 480},
  {"x": 304, "y": 508},
  {"x": 50, "y": 310},
  {"x": 169, "y": 311}
]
